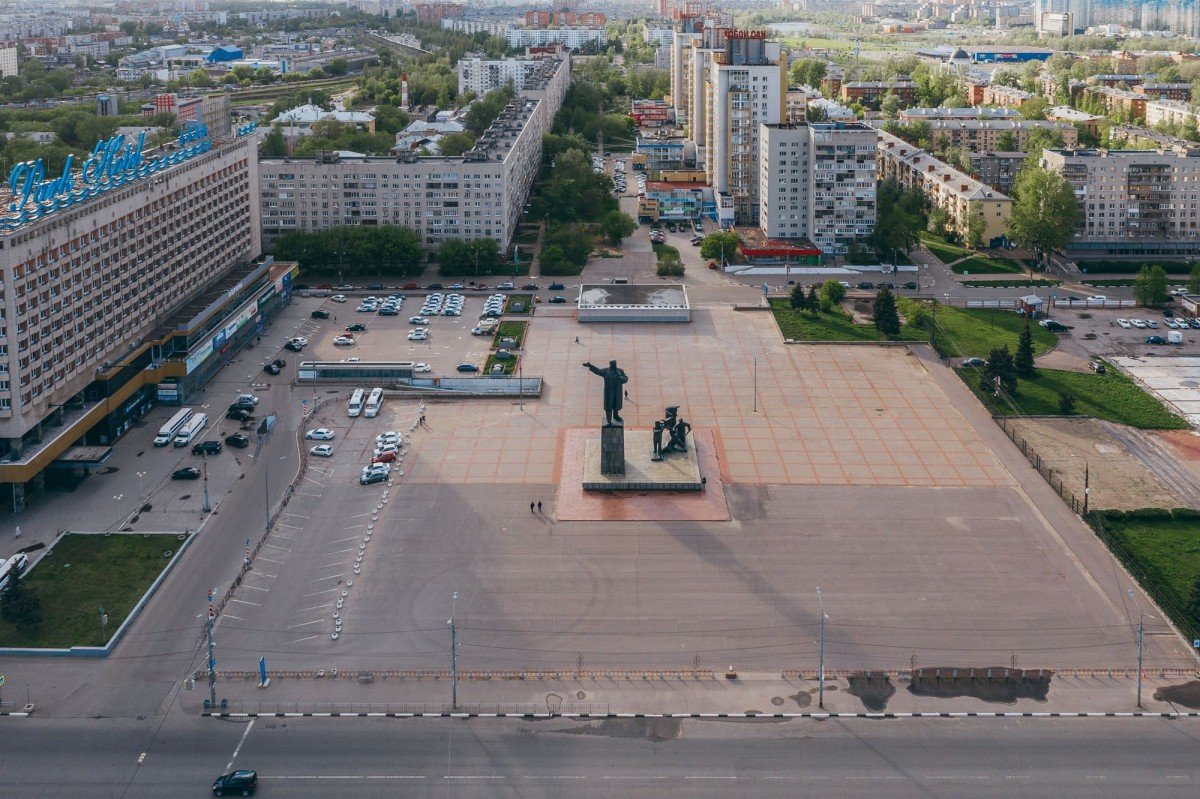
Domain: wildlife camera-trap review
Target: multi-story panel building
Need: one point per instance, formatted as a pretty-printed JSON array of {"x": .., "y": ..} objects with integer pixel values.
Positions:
[
  {"x": 745, "y": 90},
  {"x": 1129, "y": 104},
  {"x": 998, "y": 170},
  {"x": 928, "y": 114},
  {"x": 873, "y": 92},
  {"x": 482, "y": 75},
  {"x": 961, "y": 196},
  {"x": 980, "y": 135},
  {"x": 86, "y": 286},
  {"x": 1172, "y": 112},
  {"x": 8, "y": 62},
  {"x": 817, "y": 183},
  {"x": 1005, "y": 96},
  {"x": 1165, "y": 91},
  {"x": 480, "y": 194},
  {"x": 1133, "y": 202},
  {"x": 574, "y": 38},
  {"x": 1065, "y": 113}
]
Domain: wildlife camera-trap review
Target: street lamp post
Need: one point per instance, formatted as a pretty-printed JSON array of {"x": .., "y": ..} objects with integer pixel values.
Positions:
[
  {"x": 1140, "y": 642},
  {"x": 453, "y": 653},
  {"x": 204, "y": 467},
  {"x": 821, "y": 672},
  {"x": 141, "y": 476},
  {"x": 117, "y": 499}
]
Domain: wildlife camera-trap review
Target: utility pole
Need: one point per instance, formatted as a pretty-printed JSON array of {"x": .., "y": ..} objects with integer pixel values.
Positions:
[
  {"x": 453, "y": 653},
  {"x": 212, "y": 661},
  {"x": 1086, "y": 485},
  {"x": 821, "y": 674},
  {"x": 755, "y": 384},
  {"x": 204, "y": 466},
  {"x": 1140, "y": 642}
]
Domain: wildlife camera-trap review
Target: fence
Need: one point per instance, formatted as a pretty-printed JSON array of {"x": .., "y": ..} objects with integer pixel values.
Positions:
[
  {"x": 469, "y": 674},
  {"x": 426, "y": 708},
  {"x": 1077, "y": 504}
]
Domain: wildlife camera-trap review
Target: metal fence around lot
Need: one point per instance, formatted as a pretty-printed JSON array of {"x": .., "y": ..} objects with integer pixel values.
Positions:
[
  {"x": 1074, "y": 501},
  {"x": 405, "y": 708}
]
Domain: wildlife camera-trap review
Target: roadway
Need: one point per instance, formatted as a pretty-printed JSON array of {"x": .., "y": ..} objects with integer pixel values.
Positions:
[{"x": 619, "y": 757}]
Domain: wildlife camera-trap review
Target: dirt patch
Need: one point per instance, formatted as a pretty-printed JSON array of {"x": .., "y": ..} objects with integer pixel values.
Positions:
[
  {"x": 656, "y": 730},
  {"x": 1185, "y": 443},
  {"x": 801, "y": 699},
  {"x": 997, "y": 684},
  {"x": 1187, "y": 694},
  {"x": 873, "y": 691},
  {"x": 1127, "y": 469},
  {"x": 1067, "y": 361}
]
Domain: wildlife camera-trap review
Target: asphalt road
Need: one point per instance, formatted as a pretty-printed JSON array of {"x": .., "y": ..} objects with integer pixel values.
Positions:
[{"x": 645, "y": 758}]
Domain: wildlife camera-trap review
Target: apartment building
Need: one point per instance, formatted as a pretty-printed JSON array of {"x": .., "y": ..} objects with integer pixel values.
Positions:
[
  {"x": 650, "y": 113},
  {"x": 573, "y": 38},
  {"x": 1005, "y": 96},
  {"x": 1120, "y": 101},
  {"x": 1065, "y": 113},
  {"x": 873, "y": 92},
  {"x": 480, "y": 194},
  {"x": 8, "y": 62},
  {"x": 961, "y": 196},
  {"x": 830, "y": 110},
  {"x": 796, "y": 102},
  {"x": 482, "y": 75},
  {"x": 1174, "y": 112},
  {"x": 998, "y": 169},
  {"x": 1165, "y": 91},
  {"x": 745, "y": 89},
  {"x": 928, "y": 114},
  {"x": 978, "y": 135},
  {"x": 1133, "y": 202},
  {"x": 90, "y": 272},
  {"x": 817, "y": 183}
]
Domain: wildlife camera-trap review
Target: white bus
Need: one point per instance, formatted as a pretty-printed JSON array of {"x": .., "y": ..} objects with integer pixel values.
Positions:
[
  {"x": 354, "y": 407},
  {"x": 191, "y": 429},
  {"x": 12, "y": 568},
  {"x": 374, "y": 403},
  {"x": 169, "y": 430}
]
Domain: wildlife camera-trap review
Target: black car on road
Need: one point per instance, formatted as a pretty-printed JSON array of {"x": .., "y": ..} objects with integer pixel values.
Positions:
[
  {"x": 207, "y": 448},
  {"x": 237, "y": 440},
  {"x": 557, "y": 300},
  {"x": 319, "y": 314},
  {"x": 242, "y": 782},
  {"x": 356, "y": 328},
  {"x": 186, "y": 473},
  {"x": 556, "y": 287},
  {"x": 275, "y": 366},
  {"x": 239, "y": 414}
]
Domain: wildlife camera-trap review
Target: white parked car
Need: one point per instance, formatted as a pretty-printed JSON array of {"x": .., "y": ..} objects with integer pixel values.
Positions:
[
  {"x": 350, "y": 360},
  {"x": 384, "y": 468},
  {"x": 421, "y": 368},
  {"x": 1125, "y": 323},
  {"x": 1097, "y": 298},
  {"x": 299, "y": 341},
  {"x": 1140, "y": 324},
  {"x": 250, "y": 398},
  {"x": 321, "y": 450},
  {"x": 344, "y": 341},
  {"x": 389, "y": 437},
  {"x": 339, "y": 298},
  {"x": 418, "y": 320},
  {"x": 419, "y": 334},
  {"x": 319, "y": 434}
]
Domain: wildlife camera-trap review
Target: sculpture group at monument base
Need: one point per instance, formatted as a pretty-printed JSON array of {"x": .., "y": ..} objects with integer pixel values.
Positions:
[{"x": 679, "y": 472}]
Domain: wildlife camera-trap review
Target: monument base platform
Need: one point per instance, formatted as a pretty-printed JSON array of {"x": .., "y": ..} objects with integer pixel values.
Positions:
[{"x": 677, "y": 471}]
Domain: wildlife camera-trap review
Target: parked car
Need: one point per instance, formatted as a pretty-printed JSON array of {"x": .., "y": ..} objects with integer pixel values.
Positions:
[
  {"x": 1155, "y": 340},
  {"x": 556, "y": 287},
  {"x": 506, "y": 286},
  {"x": 418, "y": 320},
  {"x": 293, "y": 347},
  {"x": 339, "y": 298},
  {"x": 389, "y": 437},
  {"x": 410, "y": 286},
  {"x": 272, "y": 368},
  {"x": 421, "y": 368},
  {"x": 374, "y": 286},
  {"x": 867, "y": 285},
  {"x": 1140, "y": 324},
  {"x": 186, "y": 473},
  {"x": 530, "y": 287},
  {"x": 1054, "y": 326},
  {"x": 344, "y": 287},
  {"x": 557, "y": 300},
  {"x": 343, "y": 341},
  {"x": 911, "y": 285},
  {"x": 320, "y": 434},
  {"x": 207, "y": 448},
  {"x": 357, "y": 327},
  {"x": 1097, "y": 298},
  {"x": 1098, "y": 367},
  {"x": 387, "y": 456},
  {"x": 372, "y": 477},
  {"x": 322, "y": 450},
  {"x": 237, "y": 440},
  {"x": 434, "y": 287},
  {"x": 243, "y": 781},
  {"x": 972, "y": 363},
  {"x": 467, "y": 367},
  {"x": 1125, "y": 323},
  {"x": 319, "y": 314},
  {"x": 420, "y": 334},
  {"x": 239, "y": 415}
]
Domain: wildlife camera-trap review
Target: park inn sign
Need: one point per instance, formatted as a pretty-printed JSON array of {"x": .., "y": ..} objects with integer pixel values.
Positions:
[{"x": 114, "y": 162}]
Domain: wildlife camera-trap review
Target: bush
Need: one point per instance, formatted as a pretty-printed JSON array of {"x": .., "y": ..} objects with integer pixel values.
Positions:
[
  {"x": 554, "y": 263},
  {"x": 669, "y": 268}
]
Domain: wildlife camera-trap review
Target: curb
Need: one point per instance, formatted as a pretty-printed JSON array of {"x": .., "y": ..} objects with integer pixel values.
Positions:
[{"x": 586, "y": 716}]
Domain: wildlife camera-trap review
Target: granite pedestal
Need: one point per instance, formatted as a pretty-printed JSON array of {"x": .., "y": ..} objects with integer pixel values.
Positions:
[{"x": 677, "y": 471}]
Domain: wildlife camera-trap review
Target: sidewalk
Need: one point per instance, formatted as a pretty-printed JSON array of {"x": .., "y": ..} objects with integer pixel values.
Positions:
[{"x": 758, "y": 693}]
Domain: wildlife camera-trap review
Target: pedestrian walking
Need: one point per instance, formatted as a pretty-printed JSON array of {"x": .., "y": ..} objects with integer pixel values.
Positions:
[
  {"x": 577, "y": 339},
  {"x": 531, "y": 504},
  {"x": 422, "y": 420},
  {"x": 539, "y": 506},
  {"x": 626, "y": 393},
  {"x": 18, "y": 531}
]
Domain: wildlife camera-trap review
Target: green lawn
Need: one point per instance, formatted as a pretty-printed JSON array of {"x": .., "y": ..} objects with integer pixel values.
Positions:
[
  {"x": 964, "y": 332},
  {"x": 1111, "y": 396},
  {"x": 1162, "y": 548},
  {"x": 945, "y": 251},
  {"x": 1009, "y": 284},
  {"x": 983, "y": 265},
  {"x": 83, "y": 573},
  {"x": 511, "y": 329},
  {"x": 836, "y": 326},
  {"x": 1133, "y": 267},
  {"x": 527, "y": 299}
]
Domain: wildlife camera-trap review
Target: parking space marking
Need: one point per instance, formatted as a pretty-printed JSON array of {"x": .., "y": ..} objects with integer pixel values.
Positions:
[
  {"x": 331, "y": 565},
  {"x": 359, "y": 515},
  {"x": 231, "y": 616},
  {"x": 305, "y": 638},
  {"x": 338, "y": 552},
  {"x": 289, "y": 513},
  {"x": 317, "y": 607},
  {"x": 351, "y": 538},
  {"x": 289, "y": 526},
  {"x": 330, "y": 577},
  {"x": 254, "y": 587},
  {"x": 263, "y": 574},
  {"x": 304, "y": 624},
  {"x": 273, "y": 546},
  {"x": 318, "y": 593},
  {"x": 268, "y": 560},
  {"x": 244, "y": 602},
  {"x": 305, "y": 494}
]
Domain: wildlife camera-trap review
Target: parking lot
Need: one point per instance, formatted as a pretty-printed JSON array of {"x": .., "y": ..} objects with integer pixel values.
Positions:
[
  {"x": 386, "y": 337},
  {"x": 1097, "y": 332}
]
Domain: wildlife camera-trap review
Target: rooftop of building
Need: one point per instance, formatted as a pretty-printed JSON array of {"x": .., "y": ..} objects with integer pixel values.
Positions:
[
  {"x": 879, "y": 84},
  {"x": 309, "y": 113},
  {"x": 1177, "y": 152},
  {"x": 755, "y": 243},
  {"x": 996, "y": 124},
  {"x": 1066, "y": 113},
  {"x": 935, "y": 170},
  {"x": 967, "y": 112}
]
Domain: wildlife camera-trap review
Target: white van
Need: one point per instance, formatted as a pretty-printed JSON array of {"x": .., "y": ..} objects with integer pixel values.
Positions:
[{"x": 355, "y": 406}]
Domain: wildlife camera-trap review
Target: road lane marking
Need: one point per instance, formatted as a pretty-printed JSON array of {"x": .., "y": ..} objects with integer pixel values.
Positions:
[
  {"x": 241, "y": 741},
  {"x": 341, "y": 776}
]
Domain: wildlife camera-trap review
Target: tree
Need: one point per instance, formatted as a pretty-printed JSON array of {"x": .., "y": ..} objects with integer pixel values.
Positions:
[
  {"x": 1023, "y": 361},
  {"x": 617, "y": 225},
  {"x": 1066, "y": 403},
  {"x": 808, "y": 71},
  {"x": 337, "y": 67},
  {"x": 719, "y": 245},
  {"x": 832, "y": 293},
  {"x": 1007, "y": 143},
  {"x": 19, "y": 606},
  {"x": 813, "y": 301},
  {"x": 938, "y": 222},
  {"x": 797, "y": 299},
  {"x": 975, "y": 228},
  {"x": 1193, "y": 605},
  {"x": 895, "y": 231},
  {"x": 474, "y": 257},
  {"x": 200, "y": 79},
  {"x": 1193, "y": 285},
  {"x": 887, "y": 320},
  {"x": 274, "y": 145},
  {"x": 1044, "y": 211},
  {"x": 999, "y": 367},
  {"x": 455, "y": 143},
  {"x": 1150, "y": 286},
  {"x": 1034, "y": 108}
]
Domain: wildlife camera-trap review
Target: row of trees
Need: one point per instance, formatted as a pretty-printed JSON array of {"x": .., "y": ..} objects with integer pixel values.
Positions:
[{"x": 383, "y": 250}]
